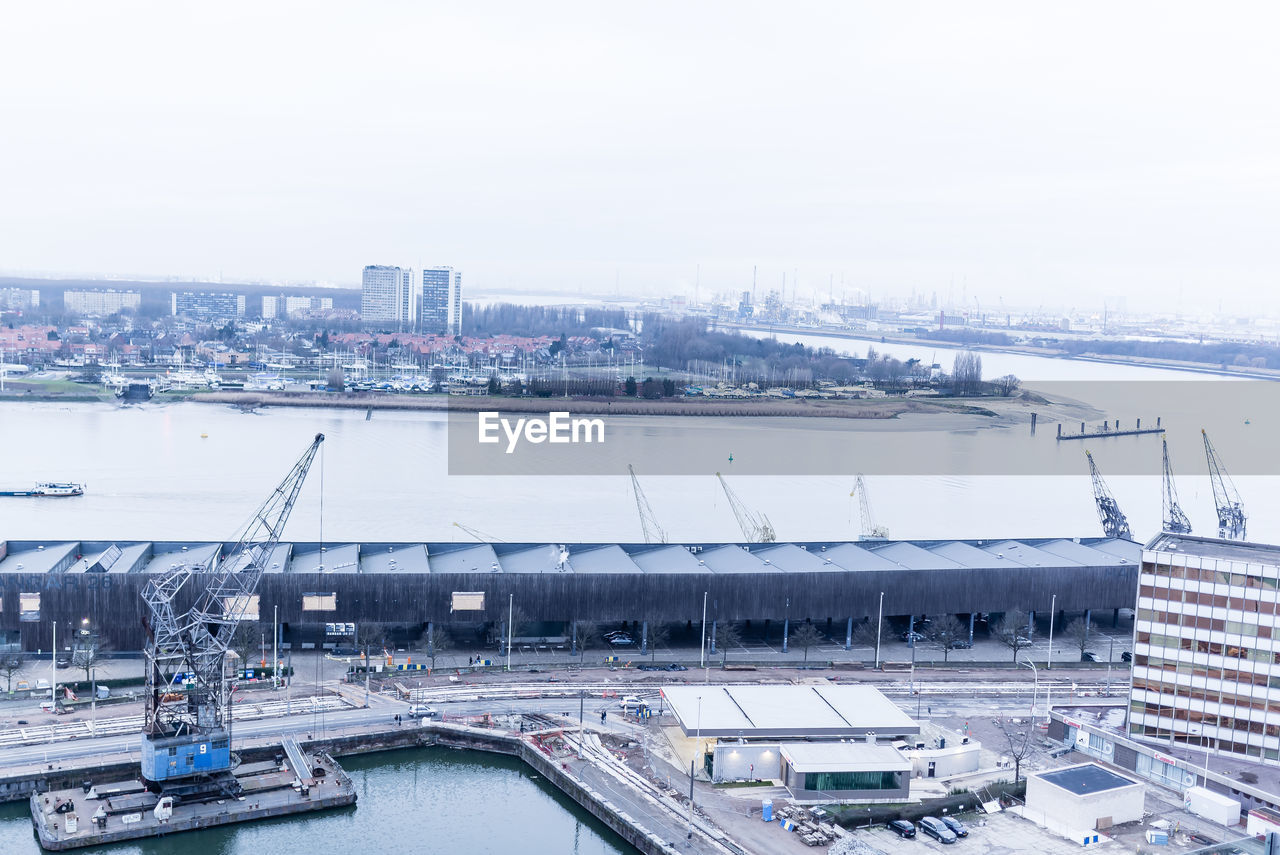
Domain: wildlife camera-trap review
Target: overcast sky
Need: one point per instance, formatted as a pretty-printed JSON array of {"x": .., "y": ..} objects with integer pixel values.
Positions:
[{"x": 1053, "y": 153}]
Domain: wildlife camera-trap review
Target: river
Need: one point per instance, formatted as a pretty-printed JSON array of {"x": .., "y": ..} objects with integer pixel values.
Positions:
[
  {"x": 197, "y": 471},
  {"x": 431, "y": 800}
]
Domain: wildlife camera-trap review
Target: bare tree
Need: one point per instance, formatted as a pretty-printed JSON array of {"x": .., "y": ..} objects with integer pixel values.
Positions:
[
  {"x": 335, "y": 379},
  {"x": 9, "y": 666},
  {"x": 658, "y": 634},
  {"x": 726, "y": 635},
  {"x": 587, "y": 634},
  {"x": 944, "y": 631},
  {"x": 244, "y": 641},
  {"x": 806, "y": 636},
  {"x": 437, "y": 641},
  {"x": 370, "y": 636},
  {"x": 1078, "y": 631},
  {"x": 864, "y": 634},
  {"x": 1006, "y": 384},
  {"x": 1017, "y": 733},
  {"x": 87, "y": 651},
  {"x": 966, "y": 373},
  {"x": 1011, "y": 631}
]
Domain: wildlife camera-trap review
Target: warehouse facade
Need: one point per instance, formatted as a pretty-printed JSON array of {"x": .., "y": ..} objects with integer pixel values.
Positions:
[{"x": 470, "y": 587}]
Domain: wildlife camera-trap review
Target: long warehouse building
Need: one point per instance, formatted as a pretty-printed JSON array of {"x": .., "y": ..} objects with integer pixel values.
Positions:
[{"x": 472, "y": 586}]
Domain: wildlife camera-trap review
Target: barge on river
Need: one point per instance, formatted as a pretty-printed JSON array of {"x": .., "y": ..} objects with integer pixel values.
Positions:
[{"x": 49, "y": 489}]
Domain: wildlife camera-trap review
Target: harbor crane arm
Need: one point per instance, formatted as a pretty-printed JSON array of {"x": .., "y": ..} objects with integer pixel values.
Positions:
[
  {"x": 1114, "y": 522},
  {"x": 1232, "y": 520},
  {"x": 653, "y": 533},
  {"x": 756, "y": 528},
  {"x": 478, "y": 534},
  {"x": 190, "y": 646},
  {"x": 870, "y": 531},
  {"x": 1172, "y": 516}
]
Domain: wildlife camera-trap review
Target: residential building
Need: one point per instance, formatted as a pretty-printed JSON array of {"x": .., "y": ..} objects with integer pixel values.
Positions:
[
  {"x": 206, "y": 306},
  {"x": 1206, "y": 655},
  {"x": 441, "y": 301},
  {"x": 100, "y": 301},
  {"x": 386, "y": 296},
  {"x": 19, "y": 298},
  {"x": 289, "y": 307}
]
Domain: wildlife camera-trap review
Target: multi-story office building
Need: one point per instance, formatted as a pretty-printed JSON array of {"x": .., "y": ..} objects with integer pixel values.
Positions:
[
  {"x": 206, "y": 306},
  {"x": 441, "y": 311},
  {"x": 387, "y": 297},
  {"x": 100, "y": 301},
  {"x": 282, "y": 306},
  {"x": 19, "y": 298},
  {"x": 1206, "y": 655}
]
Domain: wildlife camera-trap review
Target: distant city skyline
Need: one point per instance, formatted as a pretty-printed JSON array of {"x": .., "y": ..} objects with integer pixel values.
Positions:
[{"x": 1028, "y": 154}]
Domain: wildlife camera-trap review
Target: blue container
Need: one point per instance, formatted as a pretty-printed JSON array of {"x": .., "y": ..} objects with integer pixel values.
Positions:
[{"x": 766, "y": 810}]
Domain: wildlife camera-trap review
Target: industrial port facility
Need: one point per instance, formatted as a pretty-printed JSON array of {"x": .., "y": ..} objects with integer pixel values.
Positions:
[{"x": 311, "y": 588}]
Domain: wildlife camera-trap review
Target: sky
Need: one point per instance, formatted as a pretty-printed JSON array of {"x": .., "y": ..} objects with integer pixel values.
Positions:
[{"x": 1020, "y": 154}]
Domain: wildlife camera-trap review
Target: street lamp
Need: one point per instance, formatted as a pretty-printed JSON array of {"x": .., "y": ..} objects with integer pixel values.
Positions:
[
  {"x": 90, "y": 657},
  {"x": 1053, "y": 612},
  {"x": 879, "y": 629},
  {"x": 697, "y": 741},
  {"x": 1035, "y": 686}
]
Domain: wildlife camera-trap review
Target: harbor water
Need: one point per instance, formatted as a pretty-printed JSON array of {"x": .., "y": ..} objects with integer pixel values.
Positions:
[{"x": 432, "y": 801}]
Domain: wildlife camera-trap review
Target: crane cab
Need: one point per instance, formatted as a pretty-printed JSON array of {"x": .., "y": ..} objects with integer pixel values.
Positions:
[{"x": 168, "y": 758}]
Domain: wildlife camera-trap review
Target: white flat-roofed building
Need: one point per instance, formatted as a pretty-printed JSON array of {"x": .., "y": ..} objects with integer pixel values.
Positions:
[
  {"x": 787, "y": 712},
  {"x": 1074, "y": 801},
  {"x": 100, "y": 301},
  {"x": 19, "y": 298},
  {"x": 845, "y": 771},
  {"x": 386, "y": 296}
]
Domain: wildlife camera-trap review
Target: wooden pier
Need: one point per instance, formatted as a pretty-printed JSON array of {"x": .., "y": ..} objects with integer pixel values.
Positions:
[{"x": 1107, "y": 428}]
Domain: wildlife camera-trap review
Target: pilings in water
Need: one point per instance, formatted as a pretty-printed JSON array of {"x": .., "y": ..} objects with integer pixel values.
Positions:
[{"x": 1107, "y": 428}]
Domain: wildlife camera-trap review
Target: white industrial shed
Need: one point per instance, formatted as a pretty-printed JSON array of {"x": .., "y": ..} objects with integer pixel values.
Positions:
[{"x": 787, "y": 712}]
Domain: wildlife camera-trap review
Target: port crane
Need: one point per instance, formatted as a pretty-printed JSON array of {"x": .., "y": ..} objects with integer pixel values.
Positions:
[
  {"x": 1114, "y": 522},
  {"x": 756, "y": 528},
  {"x": 186, "y": 735},
  {"x": 870, "y": 531},
  {"x": 653, "y": 533},
  {"x": 1232, "y": 520},
  {"x": 1172, "y": 517}
]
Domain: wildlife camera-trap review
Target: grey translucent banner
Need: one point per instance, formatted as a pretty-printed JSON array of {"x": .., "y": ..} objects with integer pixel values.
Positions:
[{"x": 1120, "y": 423}]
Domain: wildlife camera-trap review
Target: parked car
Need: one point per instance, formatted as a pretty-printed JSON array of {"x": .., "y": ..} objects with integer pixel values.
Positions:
[
  {"x": 1126, "y": 656},
  {"x": 937, "y": 829},
  {"x": 618, "y": 638},
  {"x": 957, "y": 827},
  {"x": 1088, "y": 656},
  {"x": 903, "y": 828},
  {"x": 961, "y": 644},
  {"x": 64, "y": 662}
]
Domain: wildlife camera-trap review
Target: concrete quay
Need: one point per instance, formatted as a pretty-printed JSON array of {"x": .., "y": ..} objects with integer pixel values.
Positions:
[
  {"x": 109, "y": 813},
  {"x": 647, "y": 818}
]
